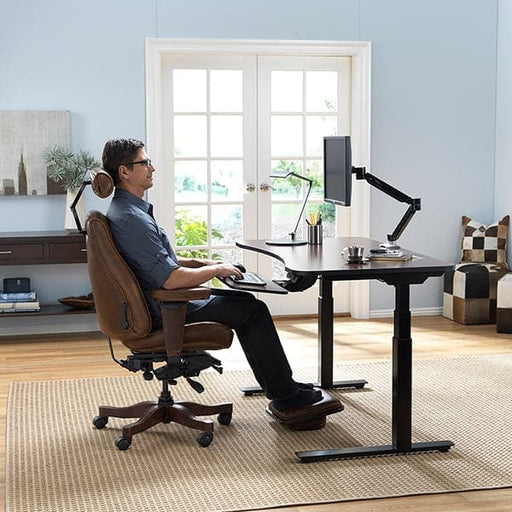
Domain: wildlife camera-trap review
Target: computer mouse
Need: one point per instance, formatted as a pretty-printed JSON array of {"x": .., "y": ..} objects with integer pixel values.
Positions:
[{"x": 240, "y": 267}]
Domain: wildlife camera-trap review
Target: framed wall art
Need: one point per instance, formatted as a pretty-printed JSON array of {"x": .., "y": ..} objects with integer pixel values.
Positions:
[{"x": 24, "y": 136}]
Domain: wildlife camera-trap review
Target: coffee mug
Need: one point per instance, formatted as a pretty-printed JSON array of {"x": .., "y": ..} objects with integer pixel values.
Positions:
[{"x": 353, "y": 253}]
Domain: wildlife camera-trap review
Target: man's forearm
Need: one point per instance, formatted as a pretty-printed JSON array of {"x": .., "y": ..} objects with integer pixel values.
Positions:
[
  {"x": 187, "y": 277},
  {"x": 196, "y": 262}
]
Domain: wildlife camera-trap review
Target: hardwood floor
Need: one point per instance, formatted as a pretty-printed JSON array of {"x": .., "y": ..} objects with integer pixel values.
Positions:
[{"x": 55, "y": 357}]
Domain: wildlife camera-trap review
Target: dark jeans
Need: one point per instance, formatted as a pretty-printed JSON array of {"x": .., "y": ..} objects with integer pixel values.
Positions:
[{"x": 255, "y": 329}]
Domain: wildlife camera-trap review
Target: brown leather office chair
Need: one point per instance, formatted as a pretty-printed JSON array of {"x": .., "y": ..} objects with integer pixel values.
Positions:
[{"x": 181, "y": 348}]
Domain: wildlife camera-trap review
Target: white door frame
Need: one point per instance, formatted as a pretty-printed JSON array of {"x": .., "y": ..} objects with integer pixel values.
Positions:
[{"x": 359, "y": 51}]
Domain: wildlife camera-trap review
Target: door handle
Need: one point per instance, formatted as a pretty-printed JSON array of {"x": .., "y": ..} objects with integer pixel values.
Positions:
[
  {"x": 250, "y": 187},
  {"x": 265, "y": 187}
]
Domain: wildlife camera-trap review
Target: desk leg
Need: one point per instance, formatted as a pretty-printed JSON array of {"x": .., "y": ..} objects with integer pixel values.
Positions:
[
  {"x": 326, "y": 340},
  {"x": 402, "y": 396},
  {"x": 402, "y": 370}
]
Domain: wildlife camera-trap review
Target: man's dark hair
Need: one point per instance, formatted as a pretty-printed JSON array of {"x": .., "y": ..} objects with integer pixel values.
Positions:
[{"x": 119, "y": 152}]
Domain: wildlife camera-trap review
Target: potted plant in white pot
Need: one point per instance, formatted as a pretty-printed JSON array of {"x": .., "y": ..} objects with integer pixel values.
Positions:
[{"x": 69, "y": 170}]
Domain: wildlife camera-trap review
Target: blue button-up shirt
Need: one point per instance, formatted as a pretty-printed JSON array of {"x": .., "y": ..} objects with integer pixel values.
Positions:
[{"x": 143, "y": 245}]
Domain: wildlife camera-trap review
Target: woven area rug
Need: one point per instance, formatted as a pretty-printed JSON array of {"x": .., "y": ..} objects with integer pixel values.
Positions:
[{"x": 57, "y": 460}]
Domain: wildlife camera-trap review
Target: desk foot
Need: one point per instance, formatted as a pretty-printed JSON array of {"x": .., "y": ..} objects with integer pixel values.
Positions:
[
  {"x": 372, "y": 451},
  {"x": 358, "y": 384},
  {"x": 251, "y": 390}
]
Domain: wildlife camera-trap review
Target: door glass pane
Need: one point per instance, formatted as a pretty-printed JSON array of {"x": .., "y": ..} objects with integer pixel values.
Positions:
[
  {"x": 317, "y": 127},
  {"x": 226, "y": 136},
  {"x": 321, "y": 91},
  {"x": 286, "y": 135},
  {"x": 226, "y": 91},
  {"x": 192, "y": 253},
  {"x": 226, "y": 223},
  {"x": 191, "y": 226},
  {"x": 230, "y": 254},
  {"x": 190, "y": 181},
  {"x": 286, "y": 91},
  {"x": 189, "y": 136},
  {"x": 284, "y": 218},
  {"x": 315, "y": 171},
  {"x": 189, "y": 90},
  {"x": 327, "y": 212},
  {"x": 290, "y": 187},
  {"x": 227, "y": 180}
]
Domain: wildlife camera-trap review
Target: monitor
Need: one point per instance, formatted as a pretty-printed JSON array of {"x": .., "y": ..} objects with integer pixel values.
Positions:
[{"x": 337, "y": 170}]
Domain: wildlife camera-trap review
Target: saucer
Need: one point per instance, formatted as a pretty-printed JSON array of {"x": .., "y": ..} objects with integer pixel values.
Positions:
[{"x": 355, "y": 259}]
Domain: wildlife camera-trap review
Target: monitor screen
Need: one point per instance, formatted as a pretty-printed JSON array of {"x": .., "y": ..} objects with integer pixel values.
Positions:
[{"x": 337, "y": 170}]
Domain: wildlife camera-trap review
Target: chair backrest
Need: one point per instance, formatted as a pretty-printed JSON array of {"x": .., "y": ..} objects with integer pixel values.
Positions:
[{"x": 120, "y": 304}]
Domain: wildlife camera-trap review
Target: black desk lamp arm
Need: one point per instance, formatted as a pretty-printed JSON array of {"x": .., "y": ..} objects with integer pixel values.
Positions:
[
  {"x": 414, "y": 203},
  {"x": 72, "y": 207},
  {"x": 310, "y": 182}
]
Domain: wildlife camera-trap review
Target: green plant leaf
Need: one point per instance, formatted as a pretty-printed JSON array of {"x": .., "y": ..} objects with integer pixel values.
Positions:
[{"x": 65, "y": 167}]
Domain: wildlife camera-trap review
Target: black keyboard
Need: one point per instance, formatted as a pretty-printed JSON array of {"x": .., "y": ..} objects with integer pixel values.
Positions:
[{"x": 251, "y": 278}]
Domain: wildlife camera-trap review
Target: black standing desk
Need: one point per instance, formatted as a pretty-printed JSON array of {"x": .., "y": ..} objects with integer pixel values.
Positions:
[{"x": 326, "y": 262}]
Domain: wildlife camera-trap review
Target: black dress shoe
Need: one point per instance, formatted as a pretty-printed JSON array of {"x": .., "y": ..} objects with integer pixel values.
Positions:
[{"x": 310, "y": 417}]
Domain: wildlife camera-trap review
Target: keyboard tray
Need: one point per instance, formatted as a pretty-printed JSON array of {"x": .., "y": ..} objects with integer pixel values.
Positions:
[{"x": 268, "y": 287}]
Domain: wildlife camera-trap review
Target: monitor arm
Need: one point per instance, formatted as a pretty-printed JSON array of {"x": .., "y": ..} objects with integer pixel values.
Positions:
[{"x": 414, "y": 203}]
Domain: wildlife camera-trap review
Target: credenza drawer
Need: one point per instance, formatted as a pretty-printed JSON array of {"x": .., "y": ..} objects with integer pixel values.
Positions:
[
  {"x": 70, "y": 252},
  {"x": 20, "y": 254}
]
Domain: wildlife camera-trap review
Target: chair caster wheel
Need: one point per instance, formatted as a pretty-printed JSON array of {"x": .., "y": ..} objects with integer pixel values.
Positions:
[
  {"x": 123, "y": 443},
  {"x": 100, "y": 421},
  {"x": 204, "y": 439},
  {"x": 224, "y": 418}
]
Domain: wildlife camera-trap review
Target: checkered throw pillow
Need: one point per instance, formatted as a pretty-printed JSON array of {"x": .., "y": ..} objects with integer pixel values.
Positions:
[{"x": 485, "y": 244}]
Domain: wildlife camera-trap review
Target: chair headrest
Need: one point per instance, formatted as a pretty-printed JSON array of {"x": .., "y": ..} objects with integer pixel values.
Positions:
[{"x": 101, "y": 182}]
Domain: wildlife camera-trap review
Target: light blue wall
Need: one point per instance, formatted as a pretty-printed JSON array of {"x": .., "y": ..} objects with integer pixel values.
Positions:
[
  {"x": 433, "y": 104},
  {"x": 433, "y": 122},
  {"x": 504, "y": 115}
]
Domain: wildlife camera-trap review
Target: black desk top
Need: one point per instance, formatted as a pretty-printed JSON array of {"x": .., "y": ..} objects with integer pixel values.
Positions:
[{"x": 327, "y": 260}]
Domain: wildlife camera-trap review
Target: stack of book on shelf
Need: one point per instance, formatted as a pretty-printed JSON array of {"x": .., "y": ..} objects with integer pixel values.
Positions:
[
  {"x": 396, "y": 256},
  {"x": 17, "y": 302}
]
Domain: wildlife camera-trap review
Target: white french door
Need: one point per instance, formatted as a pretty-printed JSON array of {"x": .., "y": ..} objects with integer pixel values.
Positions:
[
  {"x": 219, "y": 123},
  {"x": 300, "y": 100}
]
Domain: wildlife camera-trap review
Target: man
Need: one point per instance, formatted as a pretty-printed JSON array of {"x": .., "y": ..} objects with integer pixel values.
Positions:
[{"x": 148, "y": 252}]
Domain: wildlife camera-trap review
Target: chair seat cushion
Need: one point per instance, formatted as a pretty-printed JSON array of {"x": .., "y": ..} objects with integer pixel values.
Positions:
[{"x": 198, "y": 336}]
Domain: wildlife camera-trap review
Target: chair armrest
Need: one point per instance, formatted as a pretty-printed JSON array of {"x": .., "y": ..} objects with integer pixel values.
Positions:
[
  {"x": 181, "y": 294},
  {"x": 173, "y": 305}
]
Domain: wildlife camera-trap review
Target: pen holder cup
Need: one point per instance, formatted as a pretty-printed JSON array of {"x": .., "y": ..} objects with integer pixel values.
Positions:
[{"x": 315, "y": 234}]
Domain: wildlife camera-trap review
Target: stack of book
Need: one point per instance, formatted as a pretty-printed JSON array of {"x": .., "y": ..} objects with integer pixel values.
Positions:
[{"x": 18, "y": 302}]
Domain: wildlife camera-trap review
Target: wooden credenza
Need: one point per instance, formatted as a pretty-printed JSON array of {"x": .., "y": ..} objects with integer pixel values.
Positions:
[{"x": 43, "y": 248}]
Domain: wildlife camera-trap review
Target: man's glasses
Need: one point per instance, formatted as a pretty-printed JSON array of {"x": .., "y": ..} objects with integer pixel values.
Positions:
[{"x": 146, "y": 163}]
